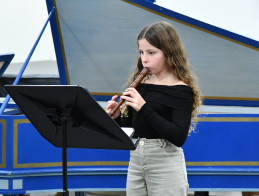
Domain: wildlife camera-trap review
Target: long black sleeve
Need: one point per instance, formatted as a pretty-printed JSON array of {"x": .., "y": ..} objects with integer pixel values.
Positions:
[{"x": 175, "y": 130}]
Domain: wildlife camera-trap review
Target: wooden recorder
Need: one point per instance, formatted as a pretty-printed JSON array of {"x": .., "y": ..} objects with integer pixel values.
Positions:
[{"x": 134, "y": 84}]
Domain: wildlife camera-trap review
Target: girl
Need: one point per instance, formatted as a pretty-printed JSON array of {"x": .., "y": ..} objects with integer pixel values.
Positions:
[{"x": 161, "y": 110}]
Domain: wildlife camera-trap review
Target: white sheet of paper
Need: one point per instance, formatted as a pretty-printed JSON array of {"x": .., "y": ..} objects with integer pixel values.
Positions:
[{"x": 128, "y": 130}]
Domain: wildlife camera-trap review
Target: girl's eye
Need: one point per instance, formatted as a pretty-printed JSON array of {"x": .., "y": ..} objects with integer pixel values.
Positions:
[{"x": 150, "y": 53}]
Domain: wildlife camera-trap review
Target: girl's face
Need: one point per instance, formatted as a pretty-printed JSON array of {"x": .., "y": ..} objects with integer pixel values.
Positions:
[{"x": 152, "y": 58}]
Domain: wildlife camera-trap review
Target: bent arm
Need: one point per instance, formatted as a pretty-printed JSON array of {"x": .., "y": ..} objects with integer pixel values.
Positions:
[{"x": 176, "y": 130}]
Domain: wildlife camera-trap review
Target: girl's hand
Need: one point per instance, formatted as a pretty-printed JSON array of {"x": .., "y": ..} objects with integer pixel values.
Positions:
[
  {"x": 110, "y": 105},
  {"x": 133, "y": 98}
]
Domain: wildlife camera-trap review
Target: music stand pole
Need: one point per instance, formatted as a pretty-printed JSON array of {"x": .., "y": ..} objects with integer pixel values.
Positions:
[{"x": 64, "y": 155}]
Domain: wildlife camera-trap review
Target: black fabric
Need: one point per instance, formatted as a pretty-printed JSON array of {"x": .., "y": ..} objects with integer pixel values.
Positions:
[
  {"x": 28, "y": 81},
  {"x": 166, "y": 114}
]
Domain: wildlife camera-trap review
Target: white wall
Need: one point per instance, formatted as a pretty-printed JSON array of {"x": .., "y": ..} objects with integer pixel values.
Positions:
[
  {"x": 238, "y": 16},
  {"x": 21, "y": 22}
]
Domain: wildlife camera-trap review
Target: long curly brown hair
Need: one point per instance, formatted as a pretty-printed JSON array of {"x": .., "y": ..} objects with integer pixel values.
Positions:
[{"x": 163, "y": 36}]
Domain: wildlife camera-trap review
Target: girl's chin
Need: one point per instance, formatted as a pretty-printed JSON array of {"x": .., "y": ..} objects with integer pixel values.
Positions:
[{"x": 149, "y": 73}]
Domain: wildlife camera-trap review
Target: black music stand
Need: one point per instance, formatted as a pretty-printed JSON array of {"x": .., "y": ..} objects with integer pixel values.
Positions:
[{"x": 68, "y": 117}]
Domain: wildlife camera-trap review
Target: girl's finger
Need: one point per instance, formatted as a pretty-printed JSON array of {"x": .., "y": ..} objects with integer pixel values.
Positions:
[
  {"x": 127, "y": 98},
  {"x": 114, "y": 98}
]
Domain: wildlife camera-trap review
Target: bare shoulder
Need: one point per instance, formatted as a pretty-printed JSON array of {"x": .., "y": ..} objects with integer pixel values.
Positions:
[
  {"x": 169, "y": 80},
  {"x": 180, "y": 83},
  {"x": 175, "y": 83}
]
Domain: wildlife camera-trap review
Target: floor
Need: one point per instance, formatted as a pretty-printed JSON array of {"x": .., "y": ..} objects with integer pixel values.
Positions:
[{"x": 123, "y": 194}]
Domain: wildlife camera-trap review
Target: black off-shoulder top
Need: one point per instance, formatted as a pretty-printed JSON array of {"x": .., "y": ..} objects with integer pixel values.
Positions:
[{"x": 166, "y": 113}]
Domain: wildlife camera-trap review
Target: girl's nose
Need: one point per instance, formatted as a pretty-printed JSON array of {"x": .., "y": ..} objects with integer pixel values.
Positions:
[{"x": 144, "y": 58}]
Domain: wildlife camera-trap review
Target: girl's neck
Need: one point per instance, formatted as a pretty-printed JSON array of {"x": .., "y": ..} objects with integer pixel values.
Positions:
[
  {"x": 162, "y": 79},
  {"x": 167, "y": 78}
]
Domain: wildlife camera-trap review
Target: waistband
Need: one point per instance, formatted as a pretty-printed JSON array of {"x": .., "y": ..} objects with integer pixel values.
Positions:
[{"x": 160, "y": 142}]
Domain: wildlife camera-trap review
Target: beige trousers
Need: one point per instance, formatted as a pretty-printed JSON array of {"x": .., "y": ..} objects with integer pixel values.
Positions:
[{"x": 157, "y": 168}]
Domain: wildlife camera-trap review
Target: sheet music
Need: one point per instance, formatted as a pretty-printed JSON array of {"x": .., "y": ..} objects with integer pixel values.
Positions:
[{"x": 128, "y": 130}]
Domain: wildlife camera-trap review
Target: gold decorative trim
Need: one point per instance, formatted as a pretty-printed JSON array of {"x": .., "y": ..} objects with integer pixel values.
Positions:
[
  {"x": 53, "y": 164},
  {"x": 59, "y": 164},
  {"x": 224, "y": 163},
  {"x": 105, "y": 94},
  {"x": 232, "y": 98},
  {"x": 61, "y": 42},
  {"x": 125, "y": 163},
  {"x": 190, "y": 25},
  {"x": 15, "y": 140},
  {"x": 228, "y": 119},
  {"x": 205, "y": 97},
  {"x": 3, "y": 163}
]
